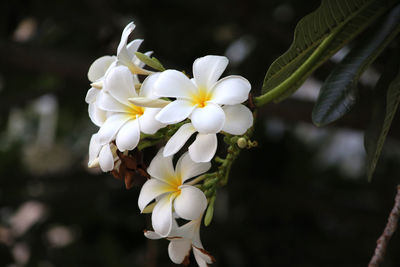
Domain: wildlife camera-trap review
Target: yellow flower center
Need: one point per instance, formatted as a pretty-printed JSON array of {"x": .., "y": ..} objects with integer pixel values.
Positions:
[
  {"x": 135, "y": 111},
  {"x": 174, "y": 183},
  {"x": 201, "y": 97}
]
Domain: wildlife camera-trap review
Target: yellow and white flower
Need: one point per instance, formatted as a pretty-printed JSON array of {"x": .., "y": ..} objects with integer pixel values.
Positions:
[
  {"x": 212, "y": 105},
  {"x": 125, "y": 121},
  {"x": 183, "y": 239},
  {"x": 172, "y": 192},
  {"x": 101, "y": 67}
]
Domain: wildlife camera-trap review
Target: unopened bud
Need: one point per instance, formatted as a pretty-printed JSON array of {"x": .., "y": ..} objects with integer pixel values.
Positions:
[
  {"x": 94, "y": 163},
  {"x": 148, "y": 103},
  {"x": 97, "y": 85},
  {"x": 242, "y": 142}
]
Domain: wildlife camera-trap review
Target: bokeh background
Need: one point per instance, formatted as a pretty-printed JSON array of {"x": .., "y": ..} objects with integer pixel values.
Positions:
[{"x": 300, "y": 198}]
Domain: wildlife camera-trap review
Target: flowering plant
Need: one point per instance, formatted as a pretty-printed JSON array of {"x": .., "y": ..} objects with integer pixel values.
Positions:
[{"x": 135, "y": 108}]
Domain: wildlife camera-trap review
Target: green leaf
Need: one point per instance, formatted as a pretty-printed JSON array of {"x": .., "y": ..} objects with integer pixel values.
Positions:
[
  {"x": 152, "y": 62},
  {"x": 385, "y": 106},
  {"x": 317, "y": 37},
  {"x": 339, "y": 92}
]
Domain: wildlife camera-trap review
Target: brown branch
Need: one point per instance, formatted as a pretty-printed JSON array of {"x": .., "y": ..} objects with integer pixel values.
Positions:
[{"x": 390, "y": 228}]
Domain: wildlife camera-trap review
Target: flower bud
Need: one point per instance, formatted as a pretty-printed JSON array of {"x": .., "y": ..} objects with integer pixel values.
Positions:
[{"x": 242, "y": 142}]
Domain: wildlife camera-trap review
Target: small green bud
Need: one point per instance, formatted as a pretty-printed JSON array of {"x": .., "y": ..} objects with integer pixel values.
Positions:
[{"x": 209, "y": 212}]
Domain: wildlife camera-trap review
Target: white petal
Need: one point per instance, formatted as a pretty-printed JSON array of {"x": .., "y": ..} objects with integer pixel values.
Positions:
[
  {"x": 191, "y": 202},
  {"x": 99, "y": 67},
  {"x": 111, "y": 126},
  {"x": 152, "y": 235},
  {"x": 187, "y": 168},
  {"x": 150, "y": 190},
  {"x": 148, "y": 123},
  {"x": 172, "y": 83},
  {"x": 106, "y": 102},
  {"x": 208, "y": 69},
  {"x": 161, "y": 167},
  {"x": 133, "y": 47},
  {"x": 231, "y": 90},
  {"x": 177, "y": 141},
  {"x": 106, "y": 159},
  {"x": 209, "y": 119},
  {"x": 179, "y": 249},
  {"x": 128, "y": 136},
  {"x": 202, "y": 257},
  {"x": 203, "y": 148},
  {"x": 91, "y": 95},
  {"x": 162, "y": 215},
  {"x": 175, "y": 112},
  {"x": 122, "y": 51},
  {"x": 147, "y": 88},
  {"x": 97, "y": 115},
  {"x": 94, "y": 148},
  {"x": 238, "y": 118},
  {"x": 119, "y": 83}
]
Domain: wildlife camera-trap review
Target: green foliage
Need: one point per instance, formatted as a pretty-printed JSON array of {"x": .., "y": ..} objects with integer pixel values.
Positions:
[
  {"x": 339, "y": 91},
  {"x": 317, "y": 37},
  {"x": 150, "y": 61},
  {"x": 385, "y": 106}
]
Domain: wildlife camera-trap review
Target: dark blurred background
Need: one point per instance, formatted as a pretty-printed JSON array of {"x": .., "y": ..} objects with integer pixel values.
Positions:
[{"x": 300, "y": 198}]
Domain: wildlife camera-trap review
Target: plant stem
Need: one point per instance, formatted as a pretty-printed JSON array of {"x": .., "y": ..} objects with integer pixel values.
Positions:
[
  {"x": 298, "y": 74},
  {"x": 390, "y": 228}
]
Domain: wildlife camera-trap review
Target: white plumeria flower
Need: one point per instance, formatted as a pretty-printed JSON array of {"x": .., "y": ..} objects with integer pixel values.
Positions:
[
  {"x": 96, "y": 75},
  {"x": 101, "y": 155},
  {"x": 182, "y": 240},
  {"x": 126, "y": 53},
  {"x": 211, "y": 105},
  {"x": 125, "y": 120},
  {"x": 167, "y": 186},
  {"x": 101, "y": 66}
]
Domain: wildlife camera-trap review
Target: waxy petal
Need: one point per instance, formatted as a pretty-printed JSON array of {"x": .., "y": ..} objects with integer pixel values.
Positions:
[
  {"x": 111, "y": 126},
  {"x": 179, "y": 249},
  {"x": 209, "y": 119},
  {"x": 152, "y": 235},
  {"x": 99, "y": 67},
  {"x": 106, "y": 159},
  {"x": 148, "y": 86},
  {"x": 128, "y": 136},
  {"x": 161, "y": 167},
  {"x": 91, "y": 95},
  {"x": 122, "y": 51},
  {"x": 203, "y": 148},
  {"x": 162, "y": 215},
  {"x": 231, "y": 90},
  {"x": 186, "y": 168},
  {"x": 238, "y": 118},
  {"x": 208, "y": 69},
  {"x": 150, "y": 190},
  {"x": 107, "y": 102},
  {"x": 172, "y": 83},
  {"x": 133, "y": 47},
  {"x": 94, "y": 148},
  {"x": 191, "y": 202},
  {"x": 177, "y": 141},
  {"x": 119, "y": 83},
  {"x": 97, "y": 115},
  {"x": 148, "y": 123},
  {"x": 175, "y": 112},
  {"x": 203, "y": 258}
]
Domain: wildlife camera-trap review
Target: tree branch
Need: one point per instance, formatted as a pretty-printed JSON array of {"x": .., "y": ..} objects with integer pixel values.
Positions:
[{"x": 390, "y": 228}]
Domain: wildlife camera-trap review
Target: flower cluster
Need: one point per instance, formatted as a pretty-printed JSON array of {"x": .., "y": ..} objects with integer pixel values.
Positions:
[{"x": 132, "y": 105}]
